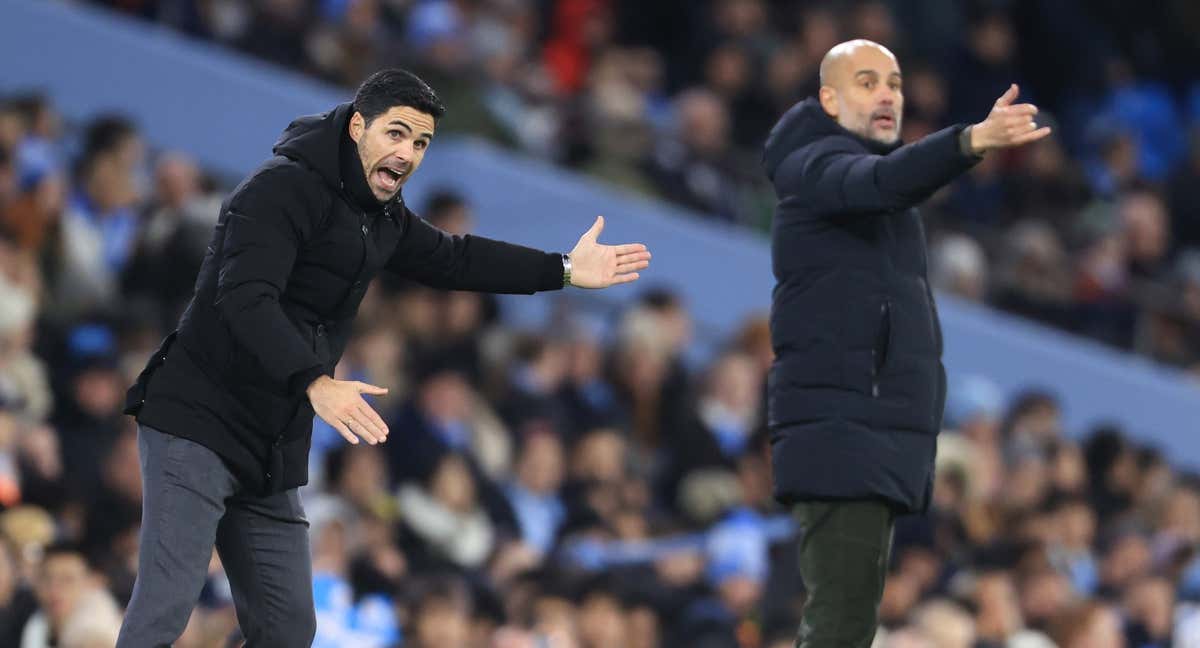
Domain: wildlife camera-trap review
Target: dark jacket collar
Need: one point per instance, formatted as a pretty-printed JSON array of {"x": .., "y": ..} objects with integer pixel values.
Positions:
[
  {"x": 805, "y": 123},
  {"x": 322, "y": 142}
]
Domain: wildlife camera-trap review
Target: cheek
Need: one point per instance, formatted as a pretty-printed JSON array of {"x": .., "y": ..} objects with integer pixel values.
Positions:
[{"x": 418, "y": 157}]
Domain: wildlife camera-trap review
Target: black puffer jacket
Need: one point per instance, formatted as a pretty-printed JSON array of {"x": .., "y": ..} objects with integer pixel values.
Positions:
[
  {"x": 296, "y": 246},
  {"x": 857, "y": 390}
]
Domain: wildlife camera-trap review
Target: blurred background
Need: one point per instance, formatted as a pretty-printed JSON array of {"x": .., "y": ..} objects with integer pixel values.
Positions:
[{"x": 591, "y": 470}]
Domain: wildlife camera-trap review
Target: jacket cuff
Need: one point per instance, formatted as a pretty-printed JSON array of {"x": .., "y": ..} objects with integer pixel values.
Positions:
[
  {"x": 964, "y": 144},
  {"x": 302, "y": 379},
  {"x": 551, "y": 276}
]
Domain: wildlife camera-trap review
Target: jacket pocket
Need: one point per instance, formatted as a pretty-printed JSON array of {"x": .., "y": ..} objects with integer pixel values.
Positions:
[
  {"x": 883, "y": 341},
  {"x": 867, "y": 351}
]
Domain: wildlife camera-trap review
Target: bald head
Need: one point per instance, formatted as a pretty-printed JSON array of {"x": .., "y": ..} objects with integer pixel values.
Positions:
[
  {"x": 861, "y": 89},
  {"x": 840, "y": 59}
]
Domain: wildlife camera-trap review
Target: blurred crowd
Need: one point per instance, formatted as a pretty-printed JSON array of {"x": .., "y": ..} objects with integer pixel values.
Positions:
[
  {"x": 1095, "y": 230},
  {"x": 581, "y": 486},
  {"x": 584, "y": 486}
]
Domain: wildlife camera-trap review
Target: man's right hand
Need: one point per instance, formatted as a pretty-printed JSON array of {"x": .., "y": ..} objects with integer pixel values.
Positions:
[
  {"x": 1007, "y": 125},
  {"x": 340, "y": 404}
]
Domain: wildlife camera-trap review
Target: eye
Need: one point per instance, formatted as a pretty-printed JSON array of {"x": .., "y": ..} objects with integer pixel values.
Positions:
[
  {"x": 394, "y": 134},
  {"x": 868, "y": 84},
  {"x": 421, "y": 144}
]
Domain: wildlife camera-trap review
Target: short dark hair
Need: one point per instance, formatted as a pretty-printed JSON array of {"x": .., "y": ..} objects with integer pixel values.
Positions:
[
  {"x": 442, "y": 201},
  {"x": 103, "y": 135},
  {"x": 64, "y": 548},
  {"x": 393, "y": 87}
]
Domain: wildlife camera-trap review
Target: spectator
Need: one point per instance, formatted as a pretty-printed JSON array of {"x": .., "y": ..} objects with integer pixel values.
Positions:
[
  {"x": 441, "y": 614},
  {"x": 960, "y": 268},
  {"x": 100, "y": 227},
  {"x": 173, "y": 239},
  {"x": 534, "y": 493},
  {"x": 726, "y": 416},
  {"x": 64, "y": 587},
  {"x": 445, "y": 515},
  {"x": 697, "y": 169},
  {"x": 1093, "y": 625}
]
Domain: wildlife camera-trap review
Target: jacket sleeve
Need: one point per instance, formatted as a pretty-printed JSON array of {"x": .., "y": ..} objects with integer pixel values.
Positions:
[
  {"x": 440, "y": 260},
  {"x": 265, "y": 228},
  {"x": 838, "y": 177}
]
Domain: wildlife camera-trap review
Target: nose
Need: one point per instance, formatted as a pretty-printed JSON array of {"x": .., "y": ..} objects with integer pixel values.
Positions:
[{"x": 404, "y": 151}]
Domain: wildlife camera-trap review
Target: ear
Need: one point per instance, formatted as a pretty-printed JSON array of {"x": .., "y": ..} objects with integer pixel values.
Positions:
[
  {"x": 828, "y": 99},
  {"x": 358, "y": 125}
]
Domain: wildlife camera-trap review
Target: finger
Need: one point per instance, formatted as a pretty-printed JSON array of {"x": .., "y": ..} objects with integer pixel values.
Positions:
[
  {"x": 365, "y": 413},
  {"x": 629, "y": 248},
  {"x": 1022, "y": 109},
  {"x": 361, "y": 430},
  {"x": 364, "y": 388},
  {"x": 632, "y": 257},
  {"x": 625, "y": 278},
  {"x": 1008, "y": 97},
  {"x": 597, "y": 227},
  {"x": 364, "y": 423},
  {"x": 632, "y": 267},
  {"x": 344, "y": 431},
  {"x": 1017, "y": 130},
  {"x": 1032, "y": 137}
]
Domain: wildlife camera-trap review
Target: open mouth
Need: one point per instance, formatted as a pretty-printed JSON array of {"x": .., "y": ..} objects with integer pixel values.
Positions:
[
  {"x": 884, "y": 120},
  {"x": 389, "y": 178}
]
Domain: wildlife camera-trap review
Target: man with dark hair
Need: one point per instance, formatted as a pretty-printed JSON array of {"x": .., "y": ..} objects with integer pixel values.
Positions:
[
  {"x": 449, "y": 212},
  {"x": 857, "y": 389},
  {"x": 99, "y": 227},
  {"x": 225, "y": 406},
  {"x": 64, "y": 578}
]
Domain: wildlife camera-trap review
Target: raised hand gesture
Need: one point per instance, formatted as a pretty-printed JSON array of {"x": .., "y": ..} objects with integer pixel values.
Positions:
[
  {"x": 594, "y": 265},
  {"x": 1007, "y": 125}
]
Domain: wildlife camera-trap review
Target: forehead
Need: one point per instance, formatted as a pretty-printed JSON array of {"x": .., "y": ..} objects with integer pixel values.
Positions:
[
  {"x": 872, "y": 58},
  {"x": 64, "y": 562},
  {"x": 421, "y": 122}
]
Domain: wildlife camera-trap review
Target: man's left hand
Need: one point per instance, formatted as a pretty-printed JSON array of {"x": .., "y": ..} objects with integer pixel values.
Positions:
[{"x": 599, "y": 266}]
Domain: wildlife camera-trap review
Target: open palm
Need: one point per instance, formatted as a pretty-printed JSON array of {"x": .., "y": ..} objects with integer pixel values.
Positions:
[{"x": 594, "y": 265}]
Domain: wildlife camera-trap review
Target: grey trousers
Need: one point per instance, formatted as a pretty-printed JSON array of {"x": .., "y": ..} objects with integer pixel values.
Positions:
[{"x": 191, "y": 503}]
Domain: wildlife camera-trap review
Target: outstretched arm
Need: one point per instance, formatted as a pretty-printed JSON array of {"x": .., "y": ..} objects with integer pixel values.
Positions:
[
  {"x": 840, "y": 178},
  {"x": 476, "y": 263}
]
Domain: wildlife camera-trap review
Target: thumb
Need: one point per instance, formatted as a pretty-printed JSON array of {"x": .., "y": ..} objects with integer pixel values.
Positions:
[
  {"x": 364, "y": 388},
  {"x": 597, "y": 227},
  {"x": 1009, "y": 96}
]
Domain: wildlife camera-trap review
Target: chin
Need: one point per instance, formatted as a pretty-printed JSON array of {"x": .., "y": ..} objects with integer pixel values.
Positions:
[{"x": 891, "y": 136}]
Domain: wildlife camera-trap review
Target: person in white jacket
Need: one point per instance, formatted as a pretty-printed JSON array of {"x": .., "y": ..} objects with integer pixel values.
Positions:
[
  {"x": 447, "y": 514},
  {"x": 73, "y": 607}
]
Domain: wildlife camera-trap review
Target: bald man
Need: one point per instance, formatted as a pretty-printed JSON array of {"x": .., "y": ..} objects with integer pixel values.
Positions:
[{"x": 857, "y": 388}]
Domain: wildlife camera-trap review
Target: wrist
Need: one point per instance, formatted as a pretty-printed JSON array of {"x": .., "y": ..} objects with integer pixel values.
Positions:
[
  {"x": 312, "y": 386},
  {"x": 566, "y": 264},
  {"x": 969, "y": 141}
]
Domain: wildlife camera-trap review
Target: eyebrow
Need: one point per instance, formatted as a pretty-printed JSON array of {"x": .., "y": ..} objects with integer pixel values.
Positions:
[
  {"x": 401, "y": 122},
  {"x": 874, "y": 73}
]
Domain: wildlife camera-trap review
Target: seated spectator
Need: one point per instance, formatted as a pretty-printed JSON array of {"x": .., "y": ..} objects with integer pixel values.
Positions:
[
  {"x": 64, "y": 587},
  {"x": 100, "y": 227},
  {"x": 445, "y": 516},
  {"x": 534, "y": 494}
]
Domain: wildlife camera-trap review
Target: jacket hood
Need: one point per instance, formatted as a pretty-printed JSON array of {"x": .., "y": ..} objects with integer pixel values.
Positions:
[
  {"x": 316, "y": 141},
  {"x": 322, "y": 143},
  {"x": 803, "y": 124}
]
